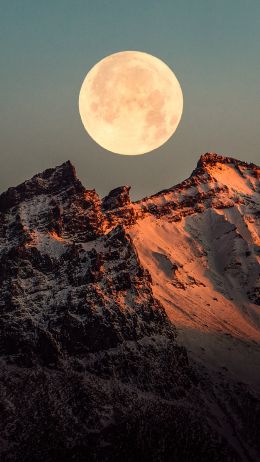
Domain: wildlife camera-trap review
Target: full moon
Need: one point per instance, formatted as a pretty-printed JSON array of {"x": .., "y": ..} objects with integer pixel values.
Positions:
[{"x": 130, "y": 103}]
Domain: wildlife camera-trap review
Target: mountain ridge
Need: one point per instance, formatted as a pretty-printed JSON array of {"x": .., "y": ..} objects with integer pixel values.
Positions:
[
  {"x": 132, "y": 328},
  {"x": 68, "y": 171}
]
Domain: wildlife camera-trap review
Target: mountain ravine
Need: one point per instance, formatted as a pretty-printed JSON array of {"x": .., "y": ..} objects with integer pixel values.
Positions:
[{"x": 130, "y": 331}]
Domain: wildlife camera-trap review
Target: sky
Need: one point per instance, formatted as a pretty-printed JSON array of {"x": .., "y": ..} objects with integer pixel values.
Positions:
[{"x": 47, "y": 48}]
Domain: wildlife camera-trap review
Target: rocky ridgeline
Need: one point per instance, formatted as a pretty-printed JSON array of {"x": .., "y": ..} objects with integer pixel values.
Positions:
[
  {"x": 211, "y": 159},
  {"x": 202, "y": 190},
  {"x": 90, "y": 365},
  {"x": 54, "y": 201}
]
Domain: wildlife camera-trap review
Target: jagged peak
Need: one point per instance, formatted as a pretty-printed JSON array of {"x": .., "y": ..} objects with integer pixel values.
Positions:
[
  {"x": 66, "y": 168},
  {"x": 65, "y": 172},
  {"x": 50, "y": 181},
  {"x": 118, "y": 197},
  {"x": 204, "y": 172},
  {"x": 63, "y": 178},
  {"x": 212, "y": 158}
]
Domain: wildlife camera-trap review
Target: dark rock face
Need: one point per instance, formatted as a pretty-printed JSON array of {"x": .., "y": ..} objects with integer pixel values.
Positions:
[
  {"x": 118, "y": 197},
  {"x": 77, "y": 299},
  {"x": 50, "y": 182},
  {"x": 118, "y": 208},
  {"x": 54, "y": 201},
  {"x": 90, "y": 365}
]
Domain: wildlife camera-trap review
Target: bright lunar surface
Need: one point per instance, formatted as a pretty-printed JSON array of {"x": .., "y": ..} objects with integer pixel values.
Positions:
[{"x": 130, "y": 102}]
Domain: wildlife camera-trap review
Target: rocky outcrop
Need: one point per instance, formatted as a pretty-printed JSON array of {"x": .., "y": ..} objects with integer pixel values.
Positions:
[
  {"x": 211, "y": 159},
  {"x": 50, "y": 182},
  {"x": 56, "y": 202},
  {"x": 118, "y": 207},
  {"x": 118, "y": 197}
]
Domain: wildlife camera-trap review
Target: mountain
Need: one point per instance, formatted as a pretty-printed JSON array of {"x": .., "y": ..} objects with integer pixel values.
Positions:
[{"x": 130, "y": 331}]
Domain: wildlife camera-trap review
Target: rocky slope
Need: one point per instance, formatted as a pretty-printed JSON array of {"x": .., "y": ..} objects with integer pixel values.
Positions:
[{"x": 130, "y": 331}]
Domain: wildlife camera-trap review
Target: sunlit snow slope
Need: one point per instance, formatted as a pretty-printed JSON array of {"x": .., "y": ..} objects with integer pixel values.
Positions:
[{"x": 200, "y": 242}]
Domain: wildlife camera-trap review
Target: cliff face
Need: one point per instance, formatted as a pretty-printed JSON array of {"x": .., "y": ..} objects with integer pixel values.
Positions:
[{"x": 92, "y": 291}]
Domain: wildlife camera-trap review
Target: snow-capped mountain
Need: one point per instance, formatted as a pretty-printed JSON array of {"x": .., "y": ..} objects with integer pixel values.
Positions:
[{"x": 130, "y": 331}]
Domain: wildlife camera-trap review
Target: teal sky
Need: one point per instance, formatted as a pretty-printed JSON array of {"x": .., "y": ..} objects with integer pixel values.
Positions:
[{"x": 47, "y": 47}]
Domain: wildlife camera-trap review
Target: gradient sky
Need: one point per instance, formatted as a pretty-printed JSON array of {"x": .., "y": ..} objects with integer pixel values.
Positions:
[{"x": 47, "y": 47}]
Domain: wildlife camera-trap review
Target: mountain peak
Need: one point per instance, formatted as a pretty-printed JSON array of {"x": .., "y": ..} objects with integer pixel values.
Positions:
[
  {"x": 212, "y": 158},
  {"x": 233, "y": 173},
  {"x": 118, "y": 197},
  {"x": 66, "y": 169},
  {"x": 50, "y": 181}
]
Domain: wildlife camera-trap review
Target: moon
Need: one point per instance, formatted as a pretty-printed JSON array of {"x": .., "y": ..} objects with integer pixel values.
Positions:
[{"x": 130, "y": 103}]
